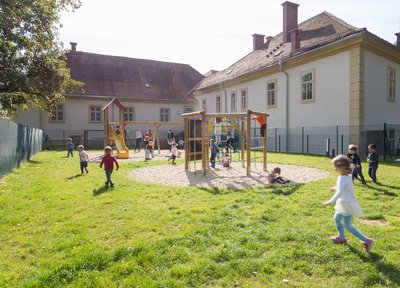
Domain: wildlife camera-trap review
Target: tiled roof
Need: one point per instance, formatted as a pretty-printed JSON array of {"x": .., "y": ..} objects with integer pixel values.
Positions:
[
  {"x": 316, "y": 32},
  {"x": 114, "y": 76}
]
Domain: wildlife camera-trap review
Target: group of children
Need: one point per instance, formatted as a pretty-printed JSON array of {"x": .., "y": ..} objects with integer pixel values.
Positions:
[{"x": 372, "y": 159}]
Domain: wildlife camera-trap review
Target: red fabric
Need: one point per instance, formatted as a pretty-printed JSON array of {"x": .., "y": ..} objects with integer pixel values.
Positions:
[
  {"x": 260, "y": 119},
  {"x": 108, "y": 161}
]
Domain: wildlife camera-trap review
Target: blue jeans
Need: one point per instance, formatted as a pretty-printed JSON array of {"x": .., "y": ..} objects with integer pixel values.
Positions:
[
  {"x": 372, "y": 173},
  {"x": 357, "y": 172},
  {"x": 108, "y": 175},
  {"x": 70, "y": 152},
  {"x": 212, "y": 159},
  {"x": 347, "y": 224}
]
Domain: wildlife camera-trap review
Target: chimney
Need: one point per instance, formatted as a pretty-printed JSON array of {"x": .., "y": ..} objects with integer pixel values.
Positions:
[
  {"x": 295, "y": 38},
  {"x": 258, "y": 41},
  {"x": 398, "y": 39},
  {"x": 289, "y": 19},
  {"x": 73, "y": 46}
]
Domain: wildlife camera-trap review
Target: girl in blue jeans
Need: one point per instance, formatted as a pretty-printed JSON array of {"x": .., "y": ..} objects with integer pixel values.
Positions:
[{"x": 346, "y": 204}]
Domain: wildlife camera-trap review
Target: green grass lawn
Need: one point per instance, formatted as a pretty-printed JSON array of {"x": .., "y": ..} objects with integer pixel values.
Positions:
[{"x": 60, "y": 229}]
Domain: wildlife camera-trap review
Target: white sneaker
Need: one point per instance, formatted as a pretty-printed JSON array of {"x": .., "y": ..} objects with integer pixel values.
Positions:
[{"x": 372, "y": 182}]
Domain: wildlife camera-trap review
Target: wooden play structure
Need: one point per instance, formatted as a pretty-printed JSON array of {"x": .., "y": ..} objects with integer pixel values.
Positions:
[
  {"x": 197, "y": 137},
  {"x": 119, "y": 140}
]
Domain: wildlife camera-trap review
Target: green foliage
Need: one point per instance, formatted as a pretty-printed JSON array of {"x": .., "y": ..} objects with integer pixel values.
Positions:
[
  {"x": 33, "y": 70},
  {"x": 61, "y": 229}
]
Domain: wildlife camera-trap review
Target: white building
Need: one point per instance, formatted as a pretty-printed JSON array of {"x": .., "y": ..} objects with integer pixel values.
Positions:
[
  {"x": 150, "y": 90},
  {"x": 323, "y": 78}
]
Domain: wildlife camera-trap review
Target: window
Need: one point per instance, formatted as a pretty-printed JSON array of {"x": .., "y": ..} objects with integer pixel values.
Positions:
[
  {"x": 307, "y": 86},
  {"x": 57, "y": 114},
  {"x": 188, "y": 109},
  {"x": 233, "y": 101},
  {"x": 95, "y": 114},
  {"x": 164, "y": 114},
  {"x": 129, "y": 115},
  {"x": 391, "y": 84},
  {"x": 271, "y": 94},
  {"x": 204, "y": 104},
  {"x": 243, "y": 99},
  {"x": 218, "y": 104}
]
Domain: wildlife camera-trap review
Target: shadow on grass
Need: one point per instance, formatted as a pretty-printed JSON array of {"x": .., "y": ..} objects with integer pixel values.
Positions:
[
  {"x": 285, "y": 190},
  {"x": 378, "y": 188},
  {"x": 101, "y": 190},
  {"x": 34, "y": 162},
  {"x": 218, "y": 191},
  {"x": 389, "y": 270},
  {"x": 75, "y": 176}
]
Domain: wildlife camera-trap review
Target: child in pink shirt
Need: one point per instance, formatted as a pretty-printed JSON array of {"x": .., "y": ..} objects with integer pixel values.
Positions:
[{"x": 108, "y": 161}]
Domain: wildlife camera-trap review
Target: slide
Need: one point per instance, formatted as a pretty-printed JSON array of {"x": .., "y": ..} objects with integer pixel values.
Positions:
[{"x": 119, "y": 141}]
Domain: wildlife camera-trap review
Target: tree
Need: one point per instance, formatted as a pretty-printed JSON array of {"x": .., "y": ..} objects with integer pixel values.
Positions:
[{"x": 33, "y": 69}]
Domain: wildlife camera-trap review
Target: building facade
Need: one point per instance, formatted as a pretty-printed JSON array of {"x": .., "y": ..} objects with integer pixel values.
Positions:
[{"x": 322, "y": 81}]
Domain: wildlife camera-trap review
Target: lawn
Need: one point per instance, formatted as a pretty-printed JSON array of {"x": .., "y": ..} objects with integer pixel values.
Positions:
[{"x": 60, "y": 229}]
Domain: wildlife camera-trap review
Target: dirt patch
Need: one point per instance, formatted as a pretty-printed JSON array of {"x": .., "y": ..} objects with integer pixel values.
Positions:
[
  {"x": 233, "y": 177},
  {"x": 379, "y": 223}
]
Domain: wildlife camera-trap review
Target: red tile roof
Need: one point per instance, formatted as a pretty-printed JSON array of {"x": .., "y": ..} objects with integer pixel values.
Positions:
[
  {"x": 316, "y": 32},
  {"x": 115, "y": 76}
]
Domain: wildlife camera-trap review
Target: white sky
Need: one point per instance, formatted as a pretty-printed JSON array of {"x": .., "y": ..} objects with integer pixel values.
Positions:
[{"x": 206, "y": 34}]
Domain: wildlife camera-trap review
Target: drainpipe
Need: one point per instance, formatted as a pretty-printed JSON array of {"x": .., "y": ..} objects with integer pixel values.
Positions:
[{"x": 280, "y": 63}]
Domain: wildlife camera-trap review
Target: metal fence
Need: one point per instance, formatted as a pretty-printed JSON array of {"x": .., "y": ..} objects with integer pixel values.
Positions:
[
  {"x": 18, "y": 143},
  {"x": 324, "y": 140}
]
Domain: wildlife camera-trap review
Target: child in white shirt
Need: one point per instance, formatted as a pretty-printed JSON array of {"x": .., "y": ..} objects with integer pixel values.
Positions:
[{"x": 83, "y": 158}]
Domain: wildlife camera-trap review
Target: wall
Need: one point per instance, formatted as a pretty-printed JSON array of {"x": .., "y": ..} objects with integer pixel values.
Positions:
[
  {"x": 378, "y": 109},
  {"x": 18, "y": 143}
]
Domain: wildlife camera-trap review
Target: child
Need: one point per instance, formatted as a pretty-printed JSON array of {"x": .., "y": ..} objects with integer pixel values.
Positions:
[
  {"x": 226, "y": 160},
  {"x": 373, "y": 162},
  {"x": 230, "y": 136},
  {"x": 181, "y": 143},
  {"x": 139, "y": 137},
  {"x": 83, "y": 158},
  {"x": 174, "y": 152},
  {"x": 108, "y": 161},
  {"x": 149, "y": 150},
  {"x": 346, "y": 204},
  {"x": 70, "y": 147},
  {"x": 214, "y": 151},
  {"x": 357, "y": 170},
  {"x": 275, "y": 177},
  {"x": 146, "y": 148}
]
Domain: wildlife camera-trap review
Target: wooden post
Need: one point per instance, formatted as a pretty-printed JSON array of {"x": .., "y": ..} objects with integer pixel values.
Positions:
[
  {"x": 105, "y": 115},
  {"x": 156, "y": 140},
  {"x": 248, "y": 143},
  {"x": 204, "y": 146},
  {"x": 265, "y": 146},
  {"x": 186, "y": 137},
  {"x": 242, "y": 140}
]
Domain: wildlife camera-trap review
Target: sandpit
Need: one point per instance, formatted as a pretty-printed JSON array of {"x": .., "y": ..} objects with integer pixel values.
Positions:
[{"x": 233, "y": 177}]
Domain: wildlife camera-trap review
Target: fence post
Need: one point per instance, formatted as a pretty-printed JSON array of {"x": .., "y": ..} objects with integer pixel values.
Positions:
[
  {"x": 328, "y": 146},
  {"x": 279, "y": 141},
  {"x": 384, "y": 140},
  {"x": 342, "y": 140},
  {"x": 337, "y": 138},
  {"x": 308, "y": 142},
  {"x": 276, "y": 140},
  {"x": 302, "y": 140}
]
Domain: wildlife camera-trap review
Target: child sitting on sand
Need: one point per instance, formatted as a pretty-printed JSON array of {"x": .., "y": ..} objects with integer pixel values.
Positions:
[{"x": 275, "y": 177}]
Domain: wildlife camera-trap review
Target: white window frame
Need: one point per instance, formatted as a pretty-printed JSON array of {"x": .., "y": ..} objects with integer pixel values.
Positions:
[
  {"x": 271, "y": 94},
  {"x": 233, "y": 101},
  {"x": 218, "y": 104},
  {"x": 59, "y": 113},
  {"x": 165, "y": 113},
  {"x": 309, "y": 86},
  {"x": 188, "y": 109},
  {"x": 244, "y": 99},
  {"x": 129, "y": 114},
  {"x": 97, "y": 110},
  {"x": 391, "y": 95},
  {"x": 204, "y": 104}
]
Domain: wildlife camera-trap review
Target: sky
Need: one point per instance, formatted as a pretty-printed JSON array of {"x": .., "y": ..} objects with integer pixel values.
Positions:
[{"x": 206, "y": 34}]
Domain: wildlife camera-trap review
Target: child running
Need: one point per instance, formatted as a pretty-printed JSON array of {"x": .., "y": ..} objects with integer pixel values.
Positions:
[
  {"x": 108, "y": 161},
  {"x": 373, "y": 162},
  {"x": 83, "y": 158},
  {"x": 70, "y": 147},
  {"x": 346, "y": 204},
  {"x": 275, "y": 177},
  {"x": 214, "y": 150},
  {"x": 174, "y": 152},
  {"x": 357, "y": 169}
]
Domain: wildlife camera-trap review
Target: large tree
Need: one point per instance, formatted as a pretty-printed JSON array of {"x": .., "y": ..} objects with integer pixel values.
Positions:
[{"x": 33, "y": 70}]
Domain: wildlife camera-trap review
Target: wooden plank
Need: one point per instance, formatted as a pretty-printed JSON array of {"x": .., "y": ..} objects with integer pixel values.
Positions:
[
  {"x": 227, "y": 115},
  {"x": 248, "y": 143},
  {"x": 243, "y": 139},
  {"x": 259, "y": 113},
  {"x": 195, "y": 113},
  {"x": 185, "y": 129},
  {"x": 265, "y": 149},
  {"x": 149, "y": 123},
  {"x": 203, "y": 142}
]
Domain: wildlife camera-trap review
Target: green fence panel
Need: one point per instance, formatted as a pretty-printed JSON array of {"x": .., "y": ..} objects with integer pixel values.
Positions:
[{"x": 18, "y": 143}]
